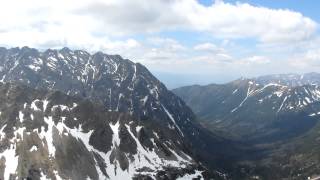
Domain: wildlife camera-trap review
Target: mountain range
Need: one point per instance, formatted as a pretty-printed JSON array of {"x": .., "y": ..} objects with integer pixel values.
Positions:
[
  {"x": 107, "y": 113},
  {"x": 69, "y": 114},
  {"x": 279, "y": 114}
]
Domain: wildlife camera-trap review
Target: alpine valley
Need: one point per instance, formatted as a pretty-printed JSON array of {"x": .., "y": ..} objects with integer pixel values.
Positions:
[{"x": 277, "y": 114}]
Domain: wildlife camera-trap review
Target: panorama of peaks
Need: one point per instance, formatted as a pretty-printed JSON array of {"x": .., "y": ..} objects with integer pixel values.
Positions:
[{"x": 158, "y": 137}]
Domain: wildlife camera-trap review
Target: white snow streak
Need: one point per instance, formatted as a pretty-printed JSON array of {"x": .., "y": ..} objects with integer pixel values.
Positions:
[{"x": 172, "y": 119}]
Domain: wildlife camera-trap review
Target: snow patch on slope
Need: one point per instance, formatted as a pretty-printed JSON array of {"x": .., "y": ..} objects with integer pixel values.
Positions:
[
  {"x": 197, "y": 174},
  {"x": 172, "y": 119}
]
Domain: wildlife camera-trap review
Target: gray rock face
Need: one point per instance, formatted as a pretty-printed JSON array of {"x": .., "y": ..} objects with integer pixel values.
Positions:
[
  {"x": 51, "y": 135},
  {"x": 120, "y": 85},
  {"x": 157, "y": 128}
]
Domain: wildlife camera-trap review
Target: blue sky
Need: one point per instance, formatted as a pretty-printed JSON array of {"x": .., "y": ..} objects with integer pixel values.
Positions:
[
  {"x": 307, "y": 7},
  {"x": 181, "y": 41}
]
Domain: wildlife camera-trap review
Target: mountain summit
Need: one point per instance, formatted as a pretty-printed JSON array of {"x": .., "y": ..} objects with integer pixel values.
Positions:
[{"x": 109, "y": 115}]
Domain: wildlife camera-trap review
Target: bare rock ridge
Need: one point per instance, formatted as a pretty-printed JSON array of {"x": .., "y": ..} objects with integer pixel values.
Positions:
[{"x": 70, "y": 114}]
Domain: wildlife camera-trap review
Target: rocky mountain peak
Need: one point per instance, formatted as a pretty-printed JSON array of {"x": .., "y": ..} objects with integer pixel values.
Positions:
[{"x": 157, "y": 126}]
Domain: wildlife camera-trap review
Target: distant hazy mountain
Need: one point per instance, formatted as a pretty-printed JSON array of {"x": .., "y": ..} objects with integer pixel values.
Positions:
[
  {"x": 257, "y": 106},
  {"x": 278, "y": 113},
  {"x": 175, "y": 80},
  {"x": 291, "y": 79}
]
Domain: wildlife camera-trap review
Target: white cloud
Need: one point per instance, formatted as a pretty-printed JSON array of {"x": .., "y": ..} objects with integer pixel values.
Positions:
[
  {"x": 243, "y": 20},
  {"x": 209, "y": 47},
  {"x": 313, "y": 55},
  {"x": 221, "y": 19},
  {"x": 166, "y": 43},
  {"x": 309, "y": 60},
  {"x": 224, "y": 56},
  {"x": 125, "y": 16},
  {"x": 76, "y": 23},
  {"x": 253, "y": 60}
]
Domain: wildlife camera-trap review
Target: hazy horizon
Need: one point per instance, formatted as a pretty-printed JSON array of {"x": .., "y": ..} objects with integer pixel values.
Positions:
[{"x": 173, "y": 81}]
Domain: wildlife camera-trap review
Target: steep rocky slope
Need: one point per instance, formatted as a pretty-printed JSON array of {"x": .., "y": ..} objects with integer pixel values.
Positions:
[
  {"x": 120, "y": 86},
  {"x": 49, "y": 135}
]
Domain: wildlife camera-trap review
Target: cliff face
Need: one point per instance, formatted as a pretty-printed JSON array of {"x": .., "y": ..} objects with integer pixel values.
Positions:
[
  {"x": 52, "y": 135},
  {"x": 123, "y": 120}
]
